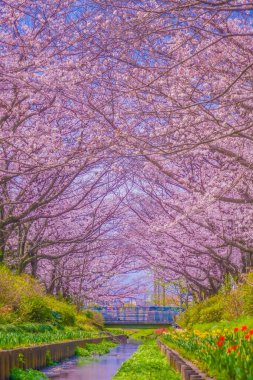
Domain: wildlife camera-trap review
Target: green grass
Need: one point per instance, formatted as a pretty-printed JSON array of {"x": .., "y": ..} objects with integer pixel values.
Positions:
[
  {"x": 137, "y": 333},
  {"x": 147, "y": 363},
  {"x": 29, "y": 374},
  {"x": 95, "y": 349},
  {"x": 115, "y": 330},
  {"x": 140, "y": 334},
  {"x": 248, "y": 321},
  {"x": 12, "y": 336}
]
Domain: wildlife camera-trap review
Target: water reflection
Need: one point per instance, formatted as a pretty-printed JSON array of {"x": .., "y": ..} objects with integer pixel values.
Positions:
[{"x": 104, "y": 368}]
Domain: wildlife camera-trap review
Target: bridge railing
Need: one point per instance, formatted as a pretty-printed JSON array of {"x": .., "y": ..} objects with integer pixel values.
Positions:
[{"x": 153, "y": 314}]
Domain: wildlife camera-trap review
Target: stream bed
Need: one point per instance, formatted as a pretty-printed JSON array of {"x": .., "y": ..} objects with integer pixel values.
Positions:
[{"x": 100, "y": 368}]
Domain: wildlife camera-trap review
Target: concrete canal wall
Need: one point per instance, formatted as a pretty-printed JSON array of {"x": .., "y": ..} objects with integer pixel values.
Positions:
[{"x": 187, "y": 370}]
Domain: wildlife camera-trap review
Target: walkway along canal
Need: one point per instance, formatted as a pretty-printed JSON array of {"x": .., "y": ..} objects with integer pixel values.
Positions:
[{"x": 102, "y": 368}]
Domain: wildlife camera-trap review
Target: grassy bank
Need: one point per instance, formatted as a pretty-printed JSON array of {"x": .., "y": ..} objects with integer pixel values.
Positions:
[
  {"x": 28, "y": 316},
  {"x": 222, "y": 325},
  {"x": 31, "y": 334},
  {"x": 233, "y": 302},
  {"x": 147, "y": 363}
]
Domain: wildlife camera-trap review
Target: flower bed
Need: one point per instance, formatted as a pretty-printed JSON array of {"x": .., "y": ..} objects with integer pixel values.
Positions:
[{"x": 226, "y": 354}]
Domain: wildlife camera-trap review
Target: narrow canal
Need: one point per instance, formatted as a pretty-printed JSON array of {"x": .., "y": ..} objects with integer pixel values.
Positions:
[{"x": 102, "y": 367}]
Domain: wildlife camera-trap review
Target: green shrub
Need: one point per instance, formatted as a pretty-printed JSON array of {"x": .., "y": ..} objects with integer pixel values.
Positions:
[
  {"x": 209, "y": 310},
  {"x": 35, "y": 310},
  {"x": 8, "y": 295},
  {"x": 90, "y": 349},
  {"x": 88, "y": 314},
  {"x": 98, "y": 318},
  {"x": 233, "y": 305},
  {"x": 6, "y": 318},
  {"x": 79, "y": 351},
  {"x": 94, "y": 316},
  {"x": 190, "y": 316},
  {"x": 247, "y": 295},
  {"x": 21, "y": 298},
  {"x": 211, "y": 314},
  {"x": 29, "y": 374},
  {"x": 63, "y": 312},
  {"x": 84, "y": 323}
]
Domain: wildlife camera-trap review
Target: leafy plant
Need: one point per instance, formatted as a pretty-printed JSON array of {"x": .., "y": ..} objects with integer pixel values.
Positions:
[
  {"x": 18, "y": 337},
  {"x": 29, "y": 374},
  {"x": 49, "y": 360},
  {"x": 146, "y": 363},
  {"x": 35, "y": 310},
  {"x": 84, "y": 323},
  {"x": 95, "y": 317},
  {"x": 79, "y": 351},
  {"x": 21, "y": 360},
  {"x": 63, "y": 312},
  {"x": 95, "y": 348}
]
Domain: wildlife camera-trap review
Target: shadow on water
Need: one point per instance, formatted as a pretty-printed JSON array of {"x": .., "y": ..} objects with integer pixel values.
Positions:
[{"x": 102, "y": 368}]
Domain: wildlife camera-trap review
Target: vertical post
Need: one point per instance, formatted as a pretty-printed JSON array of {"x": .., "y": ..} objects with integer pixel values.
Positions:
[
  {"x": 3, "y": 373},
  {"x": 137, "y": 314},
  {"x": 164, "y": 295}
]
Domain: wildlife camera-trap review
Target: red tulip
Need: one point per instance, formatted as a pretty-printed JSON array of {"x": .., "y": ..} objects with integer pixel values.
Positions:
[
  {"x": 232, "y": 348},
  {"x": 247, "y": 336},
  {"x": 220, "y": 343},
  {"x": 236, "y": 329},
  {"x": 244, "y": 328},
  {"x": 222, "y": 337}
]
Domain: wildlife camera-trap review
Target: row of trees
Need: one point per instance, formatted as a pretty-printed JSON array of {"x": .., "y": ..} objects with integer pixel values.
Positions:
[
  {"x": 126, "y": 142},
  {"x": 190, "y": 120},
  {"x": 59, "y": 204}
]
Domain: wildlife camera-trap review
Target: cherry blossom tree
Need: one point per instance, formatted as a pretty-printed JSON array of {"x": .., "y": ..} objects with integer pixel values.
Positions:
[{"x": 126, "y": 141}]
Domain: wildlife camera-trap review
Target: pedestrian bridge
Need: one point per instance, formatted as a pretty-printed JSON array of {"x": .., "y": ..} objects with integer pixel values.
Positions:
[{"x": 151, "y": 315}]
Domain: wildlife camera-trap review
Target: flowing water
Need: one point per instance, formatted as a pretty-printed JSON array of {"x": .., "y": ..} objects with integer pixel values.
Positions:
[{"x": 102, "y": 368}]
